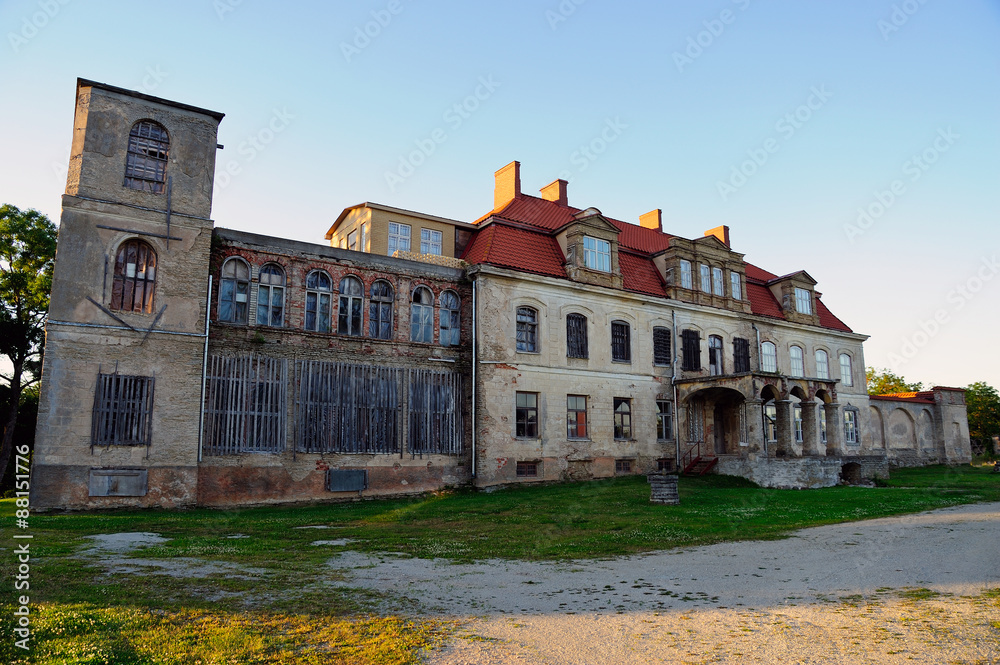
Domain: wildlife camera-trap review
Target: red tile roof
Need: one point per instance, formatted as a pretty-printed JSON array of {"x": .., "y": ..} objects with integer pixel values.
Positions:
[
  {"x": 762, "y": 301},
  {"x": 828, "y": 320},
  {"x": 511, "y": 247},
  {"x": 923, "y": 397},
  {"x": 640, "y": 274}
]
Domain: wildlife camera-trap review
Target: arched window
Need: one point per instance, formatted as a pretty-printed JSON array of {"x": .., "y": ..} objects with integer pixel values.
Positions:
[
  {"x": 380, "y": 310},
  {"x": 527, "y": 329},
  {"x": 798, "y": 364},
  {"x": 450, "y": 320},
  {"x": 576, "y": 336},
  {"x": 822, "y": 364},
  {"x": 715, "y": 355},
  {"x": 768, "y": 357},
  {"x": 422, "y": 316},
  {"x": 233, "y": 291},
  {"x": 846, "y": 375},
  {"x": 318, "y": 297},
  {"x": 271, "y": 296},
  {"x": 352, "y": 301},
  {"x": 146, "y": 162},
  {"x": 135, "y": 277}
]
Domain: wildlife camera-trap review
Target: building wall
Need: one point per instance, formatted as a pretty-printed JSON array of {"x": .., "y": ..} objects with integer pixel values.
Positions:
[{"x": 931, "y": 428}]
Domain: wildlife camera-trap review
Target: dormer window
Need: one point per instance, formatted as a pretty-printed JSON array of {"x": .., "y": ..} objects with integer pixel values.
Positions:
[
  {"x": 597, "y": 254},
  {"x": 803, "y": 301},
  {"x": 686, "y": 280}
]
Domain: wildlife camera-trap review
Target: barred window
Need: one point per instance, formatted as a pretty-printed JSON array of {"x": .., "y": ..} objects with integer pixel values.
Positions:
[
  {"x": 576, "y": 336},
  {"x": 623, "y": 466},
  {"x": 435, "y": 412},
  {"x": 135, "y": 277},
  {"x": 661, "y": 346},
  {"x": 450, "y": 320},
  {"x": 623, "y": 418},
  {"x": 576, "y": 416},
  {"x": 146, "y": 161},
  {"x": 318, "y": 298},
  {"x": 691, "y": 344},
  {"x": 527, "y": 469},
  {"x": 271, "y": 296},
  {"x": 245, "y": 404},
  {"x": 527, "y": 329},
  {"x": 380, "y": 310},
  {"x": 526, "y": 415},
  {"x": 123, "y": 410},
  {"x": 234, "y": 290},
  {"x": 621, "y": 342},
  {"x": 741, "y": 355},
  {"x": 351, "y": 306},
  {"x": 422, "y": 316}
]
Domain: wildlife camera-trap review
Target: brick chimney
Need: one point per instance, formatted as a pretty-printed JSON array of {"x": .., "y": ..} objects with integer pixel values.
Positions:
[
  {"x": 507, "y": 185},
  {"x": 720, "y": 232},
  {"x": 556, "y": 192},
  {"x": 652, "y": 220}
]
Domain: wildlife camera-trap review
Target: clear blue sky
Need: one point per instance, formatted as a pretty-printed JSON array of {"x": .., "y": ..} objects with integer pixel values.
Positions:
[{"x": 687, "y": 91}]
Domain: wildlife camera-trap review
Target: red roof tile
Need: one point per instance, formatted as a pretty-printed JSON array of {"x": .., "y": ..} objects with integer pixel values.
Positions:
[
  {"x": 923, "y": 397},
  {"x": 639, "y": 238},
  {"x": 640, "y": 274},
  {"x": 753, "y": 272},
  {"x": 762, "y": 301},
  {"x": 828, "y": 320},
  {"x": 510, "y": 247}
]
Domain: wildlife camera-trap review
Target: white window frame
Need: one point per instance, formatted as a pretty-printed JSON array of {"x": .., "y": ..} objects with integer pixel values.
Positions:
[
  {"x": 797, "y": 367},
  {"x": 431, "y": 241},
  {"x": 851, "y": 437},
  {"x": 846, "y": 370},
  {"x": 706, "y": 278},
  {"x": 718, "y": 285},
  {"x": 822, "y": 364},
  {"x": 687, "y": 281},
  {"x": 768, "y": 359},
  {"x": 597, "y": 254},
  {"x": 797, "y": 421},
  {"x": 803, "y": 301},
  {"x": 736, "y": 284},
  {"x": 399, "y": 238}
]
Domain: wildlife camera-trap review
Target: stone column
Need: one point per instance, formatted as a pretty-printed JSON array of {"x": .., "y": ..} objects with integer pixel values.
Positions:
[
  {"x": 834, "y": 429},
  {"x": 754, "y": 418},
  {"x": 810, "y": 430},
  {"x": 783, "y": 423}
]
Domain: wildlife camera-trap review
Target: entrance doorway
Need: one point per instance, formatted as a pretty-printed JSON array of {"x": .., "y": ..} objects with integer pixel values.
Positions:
[{"x": 720, "y": 430}]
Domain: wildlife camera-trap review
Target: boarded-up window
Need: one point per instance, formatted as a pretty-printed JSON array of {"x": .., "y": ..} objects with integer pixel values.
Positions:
[
  {"x": 347, "y": 408},
  {"x": 245, "y": 404},
  {"x": 661, "y": 346},
  {"x": 692, "y": 350},
  {"x": 576, "y": 336},
  {"x": 741, "y": 355},
  {"x": 135, "y": 277},
  {"x": 435, "y": 412},
  {"x": 123, "y": 410},
  {"x": 146, "y": 160}
]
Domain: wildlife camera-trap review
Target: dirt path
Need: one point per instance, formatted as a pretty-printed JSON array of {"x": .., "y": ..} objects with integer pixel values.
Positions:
[{"x": 894, "y": 590}]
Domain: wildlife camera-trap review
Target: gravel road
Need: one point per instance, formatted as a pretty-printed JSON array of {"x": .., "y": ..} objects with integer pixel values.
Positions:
[{"x": 895, "y": 590}]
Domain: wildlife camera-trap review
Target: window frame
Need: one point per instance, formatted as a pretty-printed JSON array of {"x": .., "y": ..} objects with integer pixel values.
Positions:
[
  {"x": 381, "y": 309},
  {"x": 396, "y": 238},
  {"x": 319, "y": 296},
  {"x": 741, "y": 355},
  {"x": 623, "y": 465},
  {"x": 797, "y": 422},
  {"x": 274, "y": 315},
  {"x": 621, "y": 341},
  {"x": 125, "y": 287},
  {"x": 691, "y": 350},
  {"x": 798, "y": 370},
  {"x": 422, "y": 315},
  {"x": 768, "y": 359},
  {"x": 803, "y": 301},
  {"x": 526, "y": 329},
  {"x": 687, "y": 277},
  {"x": 147, "y": 158},
  {"x": 351, "y": 307},
  {"x": 434, "y": 240},
  {"x": 706, "y": 278},
  {"x": 526, "y": 415},
  {"x": 123, "y": 410},
  {"x": 623, "y": 418},
  {"x": 716, "y": 359},
  {"x": 237, "y": 284},
  {"x": 662, "y": 343},
  {"x": 822, "y": 367},
  {"x": 770, "y": 415},
  {"x": 718, "y": 285},
  {"x": 736, "y": 285},
  {"x": 577, "y": 427},
  {"x": 596, "y": 254},
  {"x": 846, "y": 378},
  {"x": 852, "y": 437},
  {"x": 664, "y": 420},
  {"x": 449, "y": 312},
  {"x": 576, "y": 336},
  {"x": 522, "y": 469}
]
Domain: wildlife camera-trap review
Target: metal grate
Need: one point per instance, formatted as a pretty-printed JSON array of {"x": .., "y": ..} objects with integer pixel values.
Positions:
[
  {"x": 576, "y": 336},
  {"x": 346, "y": 480},
  {"x": 661, "y": 346},
  {"x": 435, "y": 412},
  {"x": 741, "y": 355},
  {"x": 621, "y": 347},
  {"x": 245, "y": 404},
  {"x": 347, "y": 408},
  {"x": 123, "y": 408}
]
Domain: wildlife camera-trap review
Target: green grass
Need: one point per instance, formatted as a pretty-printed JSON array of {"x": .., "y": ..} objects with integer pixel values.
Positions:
[{"x": 252, "y": 615}]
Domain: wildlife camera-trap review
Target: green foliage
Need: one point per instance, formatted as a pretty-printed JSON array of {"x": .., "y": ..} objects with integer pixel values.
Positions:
[
  {"x": 983, "y": 406},
  {"x": 885, "y": 382}
]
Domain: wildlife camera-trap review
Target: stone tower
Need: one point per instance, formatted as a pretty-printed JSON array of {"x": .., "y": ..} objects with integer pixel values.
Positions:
[{"x": 118, "y": 421}]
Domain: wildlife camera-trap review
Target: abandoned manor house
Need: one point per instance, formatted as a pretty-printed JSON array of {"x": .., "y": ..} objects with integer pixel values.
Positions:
[{"x": 191, "y": 365}]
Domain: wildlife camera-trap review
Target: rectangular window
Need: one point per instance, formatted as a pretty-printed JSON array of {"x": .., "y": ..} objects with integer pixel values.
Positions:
[
  {"x": 526, "y": 416},
  {"x": 718, "y": 285},
  {"x": 621, "y": 343},
  {"x": 686, "y": 279},
  {"x": 661, "y": 346},
  {"x": 245, "y": 404},
  {"x": 576, "y": 416},
  {"x": 435, "y": 411},
  {"x": 623, "y": 466},
  {"x": 741, "y": 355},
  {"x": 123, "y": 410},
  {"x": 768, "y": 357},
  {"x": 851, "y": 428},
  {"x": 803, "y": 301},
  {"x": 692, "y": 351},
  {"x": 770, "y": 422},
  {"x": 527, "y": 469},
  {"x": 352, "y": 240},
  {"x": 623, "y": 418},
  {"x": 664, "y": 464},
  {"x": 576, "y": 336},
  {"x": 736, "y": 285},
  {"x": 527, "y": 327},
  {"x": 430, "y": 242},
  {"x": 664, "y": 422},
  {"x": 822, "y": 424},
  {"x": 706, "y": 278},
  {"x": 846, "y": 375},
  {"x": 798, "y": 423},
  {"x": 399, "y": 238},
  {"x": 822, "y": 364},
  {"x": 798, "y": 364},
  {"x": 597, "y": 254}
]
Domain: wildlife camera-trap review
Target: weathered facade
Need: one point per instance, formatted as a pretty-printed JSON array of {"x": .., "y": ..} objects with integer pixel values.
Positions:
[{"x": 192, "y": 365}]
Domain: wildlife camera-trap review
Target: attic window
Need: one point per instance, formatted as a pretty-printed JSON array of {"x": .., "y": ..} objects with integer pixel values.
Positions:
[
  {"x": 597, "y": 254},
  {"x": 803, "y": 301}
]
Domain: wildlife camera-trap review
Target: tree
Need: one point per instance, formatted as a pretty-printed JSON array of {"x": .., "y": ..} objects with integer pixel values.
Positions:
[
  {"x": 27, "y": 253},
  {"x": 982, "y": 403},
  {"x": 884, "y": 382}
]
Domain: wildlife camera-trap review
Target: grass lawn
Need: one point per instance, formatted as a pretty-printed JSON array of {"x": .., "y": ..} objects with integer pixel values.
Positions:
[{"x": 285, "y": 608}]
